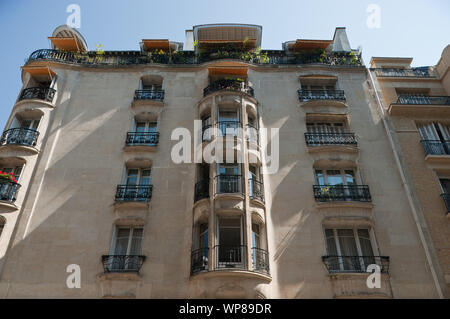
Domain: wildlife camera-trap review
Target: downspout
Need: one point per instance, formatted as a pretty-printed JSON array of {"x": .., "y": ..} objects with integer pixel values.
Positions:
[{"x": 414, "y": 208}]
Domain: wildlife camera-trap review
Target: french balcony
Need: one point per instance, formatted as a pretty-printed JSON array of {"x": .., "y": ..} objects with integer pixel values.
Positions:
[
  {"x": 231, "y": 257},
  {"x": 260, "y": 260},
  {"x": 423, "y": 100},
  {"x": 122, "y": 263},
  {"x": 354, "y": 264},
  {"x": 133, "y": 193},
  {"x": 436, "y": 147},
  {"x": 256, "y": 190},
  {"x": 157, "y": 95},
  {"x": 228, "y": 85},
  {"x": 320, "y": 139},
  {"x": 420, "y": 105},
  {"x": 342, "y": 193},
  {"x": 8, "y": 191},
  {"x": 19, "y": 136},
  {"x": 142, "y": 139},
  {"x": 310, "y": 95},
  {"x": 201, "y": 190},
  {"x": 39, "y": 93},
  {"x": 446, "y": 198},
  {"x": 228, "y": 184}
]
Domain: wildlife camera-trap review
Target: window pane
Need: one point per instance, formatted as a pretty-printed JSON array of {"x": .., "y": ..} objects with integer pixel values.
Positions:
[
  {"x": 350, "y": 177},
  {"x": 334, "y": 177},
  {"x": 364, "y": 241},
  {"x": 152, "y": 127},
  {"x": 122, "y": 237},
  {"x": 319, "y": 177},
  {"x": 146, "y": 177},
  {"x": 140, "y": 127},
  {"x": 136, "y": 241},
  {"x": 132, "y": 176}
]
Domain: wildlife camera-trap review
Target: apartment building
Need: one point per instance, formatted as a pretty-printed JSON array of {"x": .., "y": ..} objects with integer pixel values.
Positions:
[
  {"x": 416, "y": 103},
  {"x": 90, "y": 143}
]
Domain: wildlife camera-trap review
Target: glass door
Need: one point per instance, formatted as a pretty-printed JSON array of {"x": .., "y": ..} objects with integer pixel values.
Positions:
[
  {"x": 230, "y": 252},
  {"x": 229, "y": 180}
]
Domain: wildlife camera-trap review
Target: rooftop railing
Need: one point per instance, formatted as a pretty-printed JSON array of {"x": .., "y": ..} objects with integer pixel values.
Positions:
[
  {"x": 423, "y": 99},
  {"x": 228, "y": 85},
  {"x": 423, "y": 72}
]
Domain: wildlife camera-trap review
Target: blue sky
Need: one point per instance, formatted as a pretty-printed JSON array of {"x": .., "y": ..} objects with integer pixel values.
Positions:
[{"x": 418, "y": 29}]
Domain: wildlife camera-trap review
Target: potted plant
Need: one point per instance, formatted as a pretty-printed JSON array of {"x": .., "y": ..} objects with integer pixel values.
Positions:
[{"x": 7, "y": 178}]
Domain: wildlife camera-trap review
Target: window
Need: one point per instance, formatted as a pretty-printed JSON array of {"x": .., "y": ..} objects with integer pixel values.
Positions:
[
  {"x": 335, "y": 177},
  {"x": 435, "y": 138},
  {"x": 206, "y": 127},
  {"x": 127, "y": 247},
  {"x": 349, "y": 249},
  {"x": 17, "y": 170},
  {"x": 228, "y": 121},
  {"x": 137, "y": 176},
  {"x": 228, "y": 178},
  {"x": 230, "y": 252},
  {"x": 445, "y": 185}
]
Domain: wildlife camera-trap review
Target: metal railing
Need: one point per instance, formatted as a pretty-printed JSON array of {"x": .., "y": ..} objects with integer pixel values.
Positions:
[
  {"x": 355, "y": 264},
  {"x": 256, "y": 189},
  {"x": 436, "y": 147},
  {"x": 201, "y": 190},
  {"x": 252, "y": 134},
  {"x": 314, "y": 139},
  {"x": 157, "y": 95},
  {"x": 228, "y": 85},
  {"x": 122, "y": 263},
  {"x": 19, "y": 136},
  {"x": 199, "y": 260},
  {"x": 123, "y": 58},
  {"x": 329, "y": 193},
  {"x": 423, "y": 99},
  {"x": 8, "y": 191},
  {"x": 446, "y": 198},
  {"x": 308, "y": 95},
  {"x": 228, "y": 184},
  {"x": 423, "y": 72},
  {"x": 133, "y": 193},
  {"x": 142, "y": 138},
  {"x": 231, "y": 256},
  {"x": 260, "y": 259},
  {"x": 40, "y": 93}
]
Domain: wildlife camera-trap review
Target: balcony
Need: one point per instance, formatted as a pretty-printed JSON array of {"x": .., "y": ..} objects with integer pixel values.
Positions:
[
  {"x": 201, "y": 190},
  {"x": 421, "y": 105},
  {"x": 19, "y": 136},
  {"x": 310, "y": 95},
  {"x": 8, "y": 191},
  {"x": 228, "y": 128},
  {"x": 228, "y": 85},
  {"x": 39, "y": 93},
  {"x": 436, "y": 147},
  {"x": 228, "y": 184},
  {"x": 319, "y": 139},
  {"x": 354, "y": 264},
  {"x": 256, "y": 190},
  {"x": 230, "y": 258},
  {"x": 142, "y": 138},
  {"x": 342, "y": 193},
  {"x": 446, "y": 198},
  {"x": 122, "y": 263},
  {"x": 133, "y": 193},
  {"x": 413, "y": 72},
  {"x": 157, "y": 95}
]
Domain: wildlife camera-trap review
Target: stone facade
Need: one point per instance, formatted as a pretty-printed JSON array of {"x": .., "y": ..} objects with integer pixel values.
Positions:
[{"x": 70, "y": 209}]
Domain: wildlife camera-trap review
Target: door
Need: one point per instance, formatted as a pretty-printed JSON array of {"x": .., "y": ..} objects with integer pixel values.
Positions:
[
  {"x": 230, "y": 252},
  {"x": 229, "y": 180},
  {"x": 127, "y": 249},
  {"x": 228, "y": 122}
]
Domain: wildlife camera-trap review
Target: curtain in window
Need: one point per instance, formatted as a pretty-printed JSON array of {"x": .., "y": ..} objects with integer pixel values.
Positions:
[
  {"x": 348, "y": 247},
  {"x": 366, "y": 247},
  {"x": 332, "y": 249}
]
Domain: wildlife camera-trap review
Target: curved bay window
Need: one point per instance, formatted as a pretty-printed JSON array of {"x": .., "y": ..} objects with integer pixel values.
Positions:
[
  {"x": 230, "y": 251},
  {"x": 228, "y": 121},
  {"x": 255, "y": 183}
]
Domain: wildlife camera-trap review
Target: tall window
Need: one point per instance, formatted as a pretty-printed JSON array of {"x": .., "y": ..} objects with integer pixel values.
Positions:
[
  {"x": 127, "y": 246},
  {"x": 228, "y": 121},
  {"x": 230, "y": 252},
  {"x": 351, "y": 249},
  {"x": 436, "y": 138},
  {"x": 335, "y": 177},
  {"x": 228, "y": 178},
  {"x": 138, "y": 176}
]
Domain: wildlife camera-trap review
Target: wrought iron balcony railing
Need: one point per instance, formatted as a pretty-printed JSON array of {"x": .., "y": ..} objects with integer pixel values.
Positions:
[
  {"x": 355, "y": 264},
  {"x": 201, "y": 190},
  {"x": 228, "y": 128},
  {"x": 8, "y": 191},
  {"x": 436, "y": 147},
  {"x": 199, "y": 260},
  {"x": 142, "y": 138},
  {"x": 446, "y": 198},
  {"x": 315, "y": 139},
  {"x": 157, "y": 95},
  {"x": 308, "y": 95},
  {"x": 423, "y": 99},
  {"x": 19, "y": 136},
  {"x": 123, "y": 58},
  {"x": 122, "y": 263},
  {"x": 424, "y": 72},
  {"x": 228, "y": 184},
  {"x": 330, "y": 193},
  {"x": 133, "y": 193},
  {"x": 228, "y": 85},
  {"x": 256, "y": 189},
  {"x": 231, "y": 256},
  {"x": 39, "y": 93},
  {"x": 253, "y": 134},
  {"x": 260, "y": 260}
]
